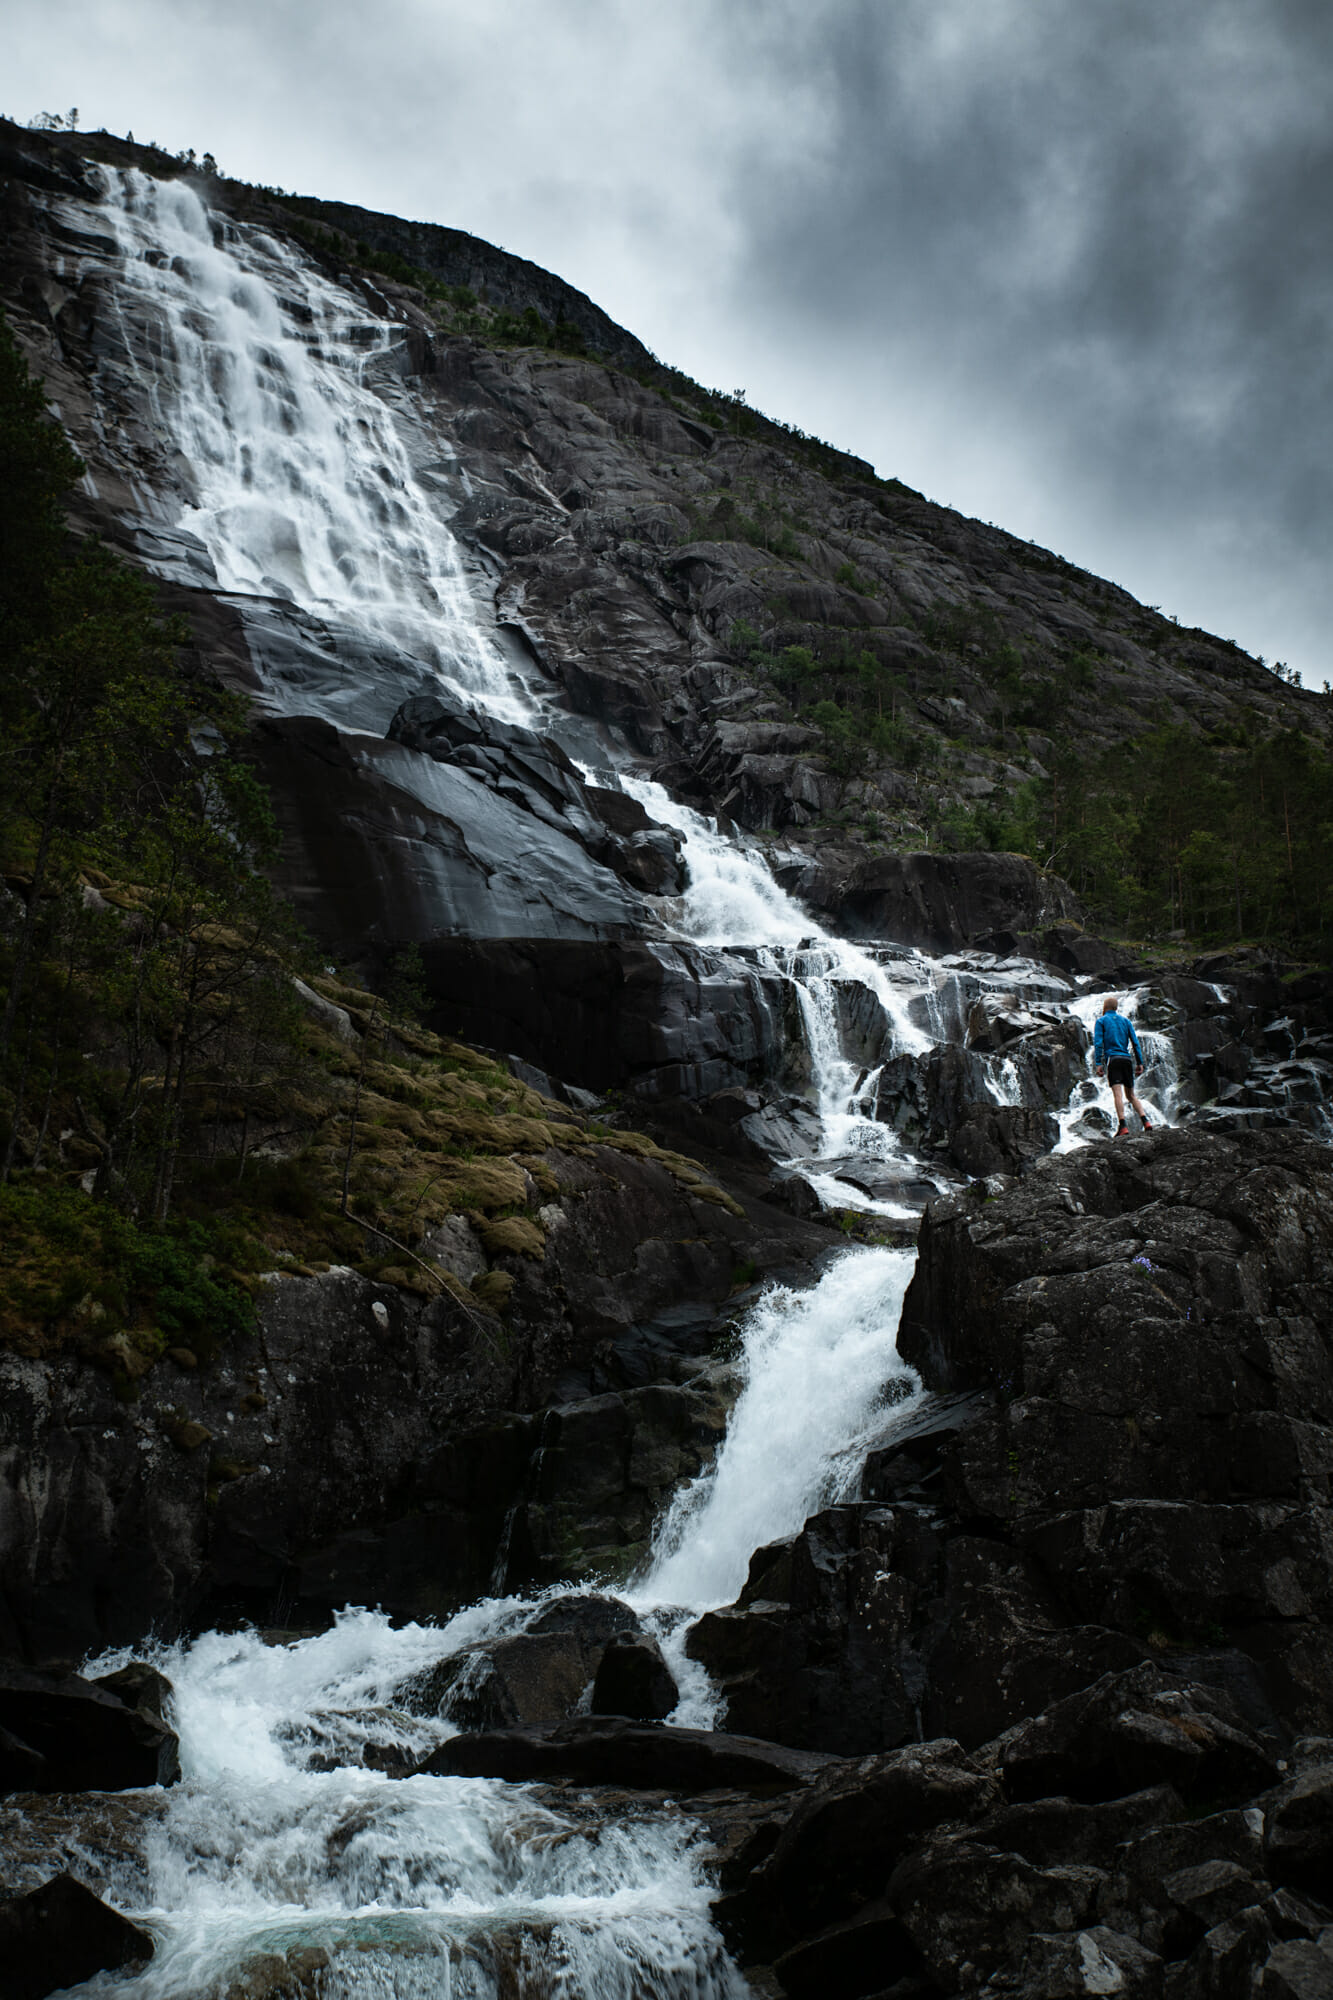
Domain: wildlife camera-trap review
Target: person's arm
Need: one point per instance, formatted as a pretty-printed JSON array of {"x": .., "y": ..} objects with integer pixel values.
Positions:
[
  {"x": 1098, "y": 1033},
  {"x": 1138, "y": 1052}
]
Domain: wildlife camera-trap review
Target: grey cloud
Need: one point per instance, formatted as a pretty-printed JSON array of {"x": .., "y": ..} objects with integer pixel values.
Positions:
[{"x": 1109, "y": 222}]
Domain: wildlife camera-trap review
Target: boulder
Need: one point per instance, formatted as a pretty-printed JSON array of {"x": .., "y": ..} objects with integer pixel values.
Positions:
[
  {"x": 1301, "y": 1970},
  {"x": 1070, "y": 1965},
  {"x": 61, "y": 1935},
  {"x": 636, "y": 1756},
  {"x": 536, "y": 1675},
  {"x": 85, "y": 1736},
  {"x": 1133, "y": 1729},
  {"x": 634, "y": 1680},
  {"x": 1298, "y": 1832}
]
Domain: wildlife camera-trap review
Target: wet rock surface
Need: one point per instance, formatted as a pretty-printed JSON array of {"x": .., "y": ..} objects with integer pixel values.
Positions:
[
  {"x": 61, "y": 1733},
  {"x": 611, "y": 1750},
  {"x": 1100, "y": 1560},
  {"x": 61, "y": 1934}
]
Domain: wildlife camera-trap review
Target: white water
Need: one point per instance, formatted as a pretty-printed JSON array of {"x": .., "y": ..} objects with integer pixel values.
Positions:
[
  {"x": 448, "y": 1886},
  {"x": 818, "y": 1367},
  {"x": 417, "y": 1886},
  {"x": 299, "y": 484},
  {"x": 293, "y": 472}
]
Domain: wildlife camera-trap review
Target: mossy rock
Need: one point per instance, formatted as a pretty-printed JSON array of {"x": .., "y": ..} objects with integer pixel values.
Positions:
[
  {"x": 187, "y": 1435},
  {"x": 492, "y": 1290},
  {"x": 511, "y": 1236}
]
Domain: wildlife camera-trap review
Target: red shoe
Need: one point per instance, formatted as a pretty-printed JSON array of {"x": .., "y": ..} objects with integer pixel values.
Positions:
[
  {"x": 1123, "y": 1132},
  {"x": 1148, "y": 1125}
]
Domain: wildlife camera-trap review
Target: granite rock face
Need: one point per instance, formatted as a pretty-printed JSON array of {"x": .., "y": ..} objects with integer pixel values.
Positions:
[
  {"x": 1146, "y": 1327},
  {"x": 616, "y": 544},
  {"x": 371, "y": 1446}
]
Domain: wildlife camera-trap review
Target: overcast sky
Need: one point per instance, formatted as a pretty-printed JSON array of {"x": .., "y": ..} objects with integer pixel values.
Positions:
[{"x": 1063, "y": 264}]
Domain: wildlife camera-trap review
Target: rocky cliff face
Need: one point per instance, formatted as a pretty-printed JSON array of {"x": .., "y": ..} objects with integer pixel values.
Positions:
[
  {"x": 623, "y": 534},
  {"x": 370, "y": 1445}
]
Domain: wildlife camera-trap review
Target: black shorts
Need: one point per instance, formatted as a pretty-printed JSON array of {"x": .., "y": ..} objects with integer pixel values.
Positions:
[{"x": 1120, "y": 1070}]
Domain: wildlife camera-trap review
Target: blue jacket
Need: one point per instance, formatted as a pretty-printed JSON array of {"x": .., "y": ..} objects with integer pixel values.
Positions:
[{"x": 1113, "y": 1036}]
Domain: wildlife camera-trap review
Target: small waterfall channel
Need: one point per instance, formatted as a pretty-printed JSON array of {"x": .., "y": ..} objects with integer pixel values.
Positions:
[{"x": 293, "y": 472}]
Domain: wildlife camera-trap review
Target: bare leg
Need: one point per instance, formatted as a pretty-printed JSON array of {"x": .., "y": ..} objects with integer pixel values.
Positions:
[
  {"x": 1118, "y": 1093},
  {"x": 1135, "y": 1102}
]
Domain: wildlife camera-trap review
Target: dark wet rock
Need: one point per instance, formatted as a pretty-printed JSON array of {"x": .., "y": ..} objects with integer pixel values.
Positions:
[
  {"x": 533, "y": 1677},
  {"x": 634, "y": 1680},
  {"x": 662, "y": 1021},
  {"x": 943, "y": 1103},
  {"x": 379, "y": 840},
  {"x": 1134, "y": 1729},
  {"x": 934, "y": 901},
  {"x": 609, "y": 1750},
  {"x": 604, "y": 1467},
  {"x": 855, "y": 1957},
  {"x": 1161, "y": 1446},
  {"x": 61, "y": 1935},
  {"x": 840, "y": 1845},
  {"x": 1069, "y": 1966},
  {"x": 536, "y": 1675},
  {"x": 1226, "y": 1959},
  {"x": 1002, "y": 1138},
  {"x": 911, "y": 1466},
  {"x": 875, "y": 1622},
  {"x": 1301, "y": 1970},
  {"x": 535, "y": 774},
  {"x": 968, "y": 1908},
  {"x": 1298, "y": 1832},
  {"x": 85, "y": 1736}
]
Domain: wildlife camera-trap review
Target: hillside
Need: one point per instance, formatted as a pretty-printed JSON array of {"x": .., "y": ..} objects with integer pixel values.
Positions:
[{"x": 835, "y": 663}]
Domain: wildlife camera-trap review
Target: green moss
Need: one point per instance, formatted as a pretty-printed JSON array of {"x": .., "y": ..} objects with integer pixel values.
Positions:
[{"x": 76, "y": 1272}]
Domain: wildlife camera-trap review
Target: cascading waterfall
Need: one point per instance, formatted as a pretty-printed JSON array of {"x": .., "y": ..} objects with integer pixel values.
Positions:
[
  {"x": 819, "y": 1368},
  {"x": 298, "y": 475},
  {"x": 467, "y": 1887},
  {"x": 732, "y": 901},
  {"x": 298, "y": 482}
]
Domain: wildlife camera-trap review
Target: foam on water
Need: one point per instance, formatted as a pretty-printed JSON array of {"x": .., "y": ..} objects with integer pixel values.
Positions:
[
  {"x": 409, "y": 1882},
  {"x": 819, "y": 1368},
  {"x": 297, "y": 480}
]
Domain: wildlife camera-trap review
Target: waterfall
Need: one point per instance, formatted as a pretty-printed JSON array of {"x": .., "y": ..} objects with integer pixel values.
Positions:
[
  {"x": 818, "y": 1367},
  {"x": 419, "y": 1886},
  {"x": 293, "y": 473}
]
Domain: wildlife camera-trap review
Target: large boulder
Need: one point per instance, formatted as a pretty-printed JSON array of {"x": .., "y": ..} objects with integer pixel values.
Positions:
[
  {"x": 633, "y": 1679},
  {"x": 61, "y": 1935},
  {"x": 534, "y": 1676},
  {"x": 68, "y": 1734},
  {"x": 638, "y": 1756}
]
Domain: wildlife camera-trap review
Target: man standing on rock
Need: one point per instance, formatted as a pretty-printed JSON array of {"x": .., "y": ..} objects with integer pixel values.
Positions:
[{"x": 1111, "y": 1042}]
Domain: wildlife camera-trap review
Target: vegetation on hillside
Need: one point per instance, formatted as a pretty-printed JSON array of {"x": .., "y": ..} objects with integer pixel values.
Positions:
[
  {"x": 186, "y": 1099},
  {"x": 1220, "y": 836}
]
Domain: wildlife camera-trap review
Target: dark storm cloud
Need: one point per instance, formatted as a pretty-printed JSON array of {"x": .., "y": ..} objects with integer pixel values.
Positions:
[
  {"x": 1062, "y": 263},
  {"x": 1105, "y": 231}
]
